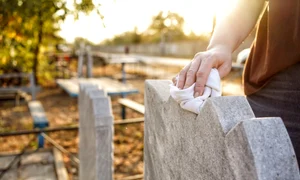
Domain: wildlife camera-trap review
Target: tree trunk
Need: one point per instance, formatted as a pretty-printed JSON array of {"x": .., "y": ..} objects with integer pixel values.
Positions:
[{"x": 37, "y": 48}]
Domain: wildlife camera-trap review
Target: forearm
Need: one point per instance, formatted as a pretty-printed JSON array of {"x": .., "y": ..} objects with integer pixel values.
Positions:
[{"x": 235, "y": 27}]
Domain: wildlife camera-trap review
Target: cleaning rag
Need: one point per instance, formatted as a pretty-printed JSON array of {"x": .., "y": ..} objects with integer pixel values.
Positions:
[{"x": 186, "y": 99}]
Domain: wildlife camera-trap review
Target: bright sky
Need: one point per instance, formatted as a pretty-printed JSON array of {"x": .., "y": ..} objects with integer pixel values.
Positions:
[{"x": 123, "y": 15}]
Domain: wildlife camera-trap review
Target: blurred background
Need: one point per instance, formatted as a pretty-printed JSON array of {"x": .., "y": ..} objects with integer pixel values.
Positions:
[
  {"x": 32, "y": 29},
  {"x": 44, "y": 41}
]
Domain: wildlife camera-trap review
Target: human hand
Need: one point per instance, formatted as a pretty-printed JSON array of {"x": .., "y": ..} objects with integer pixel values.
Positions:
[{"x": 197, "y": 71}]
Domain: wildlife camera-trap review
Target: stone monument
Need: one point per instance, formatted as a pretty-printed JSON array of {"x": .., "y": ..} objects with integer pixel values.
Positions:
[
  {"x": 225, "y": 141},
  {"x": 95, "y": 134}
]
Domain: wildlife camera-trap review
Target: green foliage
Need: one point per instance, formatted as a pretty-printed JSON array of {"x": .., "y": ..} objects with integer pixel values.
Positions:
[
  {"x": 130, "y": 37},
  {"x": 165, "y": 27},
  {"x": 22, "y": 22},
  {"x": 29, "y": 28},
  {"x": 168, "y": 27},
  {"x": 86, "y": 6}
]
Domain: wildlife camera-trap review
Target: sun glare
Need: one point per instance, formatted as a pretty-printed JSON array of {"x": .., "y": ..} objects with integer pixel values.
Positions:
[
  {"x": 125, "y": 15},
  {"x": 199, "y": 15}
]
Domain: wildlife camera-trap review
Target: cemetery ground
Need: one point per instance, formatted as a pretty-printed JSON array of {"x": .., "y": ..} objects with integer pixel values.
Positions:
[{"x": 62, "y": 110}]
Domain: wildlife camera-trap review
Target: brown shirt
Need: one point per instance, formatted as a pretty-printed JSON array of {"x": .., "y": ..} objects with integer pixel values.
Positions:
[{"x": 277, "y": 44}]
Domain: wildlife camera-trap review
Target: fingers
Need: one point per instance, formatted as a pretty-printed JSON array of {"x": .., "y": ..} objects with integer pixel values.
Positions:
[
  {"x": 202, "y": 75},
  {"x": 191, "y": 73},
  {"x": 196, "y": 71},
  {"x": 224, "y": 69},
  {"x": 182, "y": 76},
  {"x": 174, "y": 80}
]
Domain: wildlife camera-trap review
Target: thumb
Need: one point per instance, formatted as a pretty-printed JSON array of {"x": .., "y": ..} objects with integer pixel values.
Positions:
[{"x": 224, "y": 69}]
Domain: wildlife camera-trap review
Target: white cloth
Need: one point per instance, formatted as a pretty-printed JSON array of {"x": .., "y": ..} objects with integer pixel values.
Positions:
[{"x": 186, "y": 99}]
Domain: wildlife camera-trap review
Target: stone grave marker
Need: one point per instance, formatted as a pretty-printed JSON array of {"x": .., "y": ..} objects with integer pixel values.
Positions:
[{"x": 225, "y": 141}]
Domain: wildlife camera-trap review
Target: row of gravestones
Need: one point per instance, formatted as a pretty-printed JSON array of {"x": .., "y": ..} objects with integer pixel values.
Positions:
[{"x": 225, "y": 141}]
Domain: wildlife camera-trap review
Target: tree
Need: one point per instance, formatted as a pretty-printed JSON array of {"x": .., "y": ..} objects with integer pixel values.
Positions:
[
  {"x": 129, "y": 37},
  {"x": 166, "y": 27},
  {"x": 28, "y": 25}
]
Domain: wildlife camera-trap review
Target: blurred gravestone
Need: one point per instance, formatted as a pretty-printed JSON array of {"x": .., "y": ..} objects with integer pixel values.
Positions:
[
  {"x": 96, "y": 133},
  {"x": 89, "y": 68},
  {"x": 85, "y": 52},
  {"x": 81, "y": 54},
  {"x": 225, "y": 141}
]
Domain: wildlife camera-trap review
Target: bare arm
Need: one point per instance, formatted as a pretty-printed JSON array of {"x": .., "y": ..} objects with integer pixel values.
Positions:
[
  {"x": 234, "y": 28},
  {"x": 228, "y": 35}
]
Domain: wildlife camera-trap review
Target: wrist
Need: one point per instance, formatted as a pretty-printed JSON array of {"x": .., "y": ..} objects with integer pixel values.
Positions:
[{"x": 222, "y": 47}]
